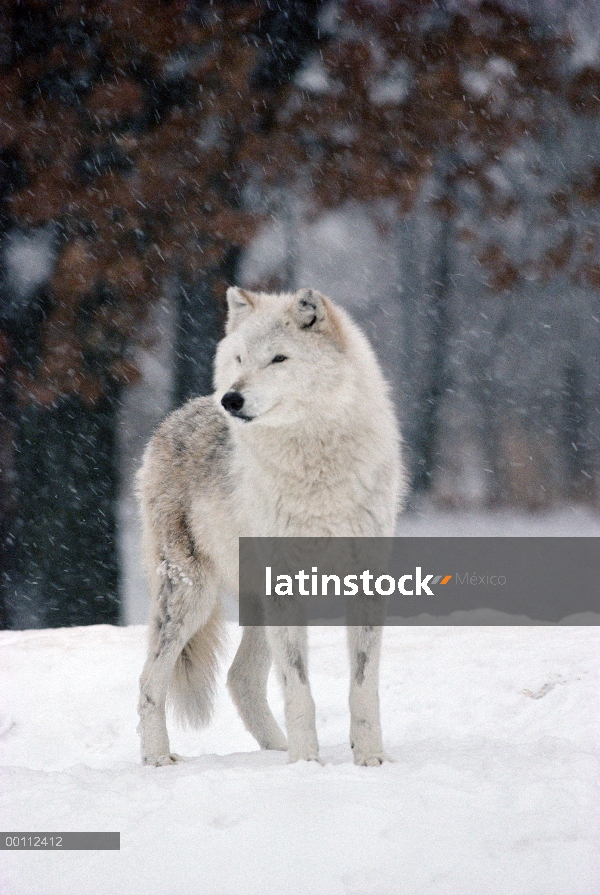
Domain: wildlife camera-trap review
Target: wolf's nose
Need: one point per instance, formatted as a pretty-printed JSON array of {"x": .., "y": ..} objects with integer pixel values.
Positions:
[{"x": 232, "y": 402}]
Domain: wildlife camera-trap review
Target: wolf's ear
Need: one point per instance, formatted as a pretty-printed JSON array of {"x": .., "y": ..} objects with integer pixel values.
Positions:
[
  {"x": 315, "y": 313},
  {"x": 309, "y": 310},
  {"x": 239, "y": 304}
]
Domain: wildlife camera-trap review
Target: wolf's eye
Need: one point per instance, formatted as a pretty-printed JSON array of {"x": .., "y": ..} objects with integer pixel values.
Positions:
[{"x": 279, "y": 359}]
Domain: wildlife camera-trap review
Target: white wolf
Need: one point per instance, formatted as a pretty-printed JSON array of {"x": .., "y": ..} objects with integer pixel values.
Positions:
[{"x": 299, "y": 439}]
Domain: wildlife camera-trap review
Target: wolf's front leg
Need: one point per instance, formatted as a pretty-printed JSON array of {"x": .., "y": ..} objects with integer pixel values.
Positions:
[
  {"x": 364, "y": 644},
  {"x": 290, "y": 654}
]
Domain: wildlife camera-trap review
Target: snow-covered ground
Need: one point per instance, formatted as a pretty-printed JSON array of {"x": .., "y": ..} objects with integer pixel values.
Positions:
[{"x": 493, "y": 789}]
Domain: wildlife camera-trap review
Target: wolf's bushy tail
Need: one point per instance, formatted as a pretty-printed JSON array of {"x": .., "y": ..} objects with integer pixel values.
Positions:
[{"x": 192, "y": 687}]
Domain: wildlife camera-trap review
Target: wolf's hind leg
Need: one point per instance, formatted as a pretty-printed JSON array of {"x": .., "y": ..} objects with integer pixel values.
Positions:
[
  {"x": 247, "y": 683},
  {"x": 289, "y": 648},
  {"x": 174, "y": 623},
  {"x": 364, "y": 644}
]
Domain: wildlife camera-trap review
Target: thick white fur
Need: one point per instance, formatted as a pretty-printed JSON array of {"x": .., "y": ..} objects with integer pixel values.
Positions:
[{"x": 318, "y": 455}]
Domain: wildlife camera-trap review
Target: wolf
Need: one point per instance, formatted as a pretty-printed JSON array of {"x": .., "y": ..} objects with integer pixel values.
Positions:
[{"x": 299, "y": 439}]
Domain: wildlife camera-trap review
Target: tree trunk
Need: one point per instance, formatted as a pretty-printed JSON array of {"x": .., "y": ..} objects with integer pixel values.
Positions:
[
  {"x": 200, "y": 327},
  {"x": 426, "y": 240},
  {"x": 61, "y": 559}
]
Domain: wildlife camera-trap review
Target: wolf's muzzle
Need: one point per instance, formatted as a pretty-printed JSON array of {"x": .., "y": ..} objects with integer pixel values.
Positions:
[{"x": 233, "y": 403}]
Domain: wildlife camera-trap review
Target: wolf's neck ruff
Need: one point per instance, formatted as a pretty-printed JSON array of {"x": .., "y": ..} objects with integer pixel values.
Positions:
[{"x": 299, "y": 480}]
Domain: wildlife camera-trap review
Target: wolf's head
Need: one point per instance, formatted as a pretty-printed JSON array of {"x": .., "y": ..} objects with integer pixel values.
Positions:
[{"x": 283, "y": 357}]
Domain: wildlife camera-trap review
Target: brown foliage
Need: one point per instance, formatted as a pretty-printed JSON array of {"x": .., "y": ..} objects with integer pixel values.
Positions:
[
  {"x": 141, "y": 136},
  {"x": 584, "y": 91},
  {"x": 503, "y": 274}
]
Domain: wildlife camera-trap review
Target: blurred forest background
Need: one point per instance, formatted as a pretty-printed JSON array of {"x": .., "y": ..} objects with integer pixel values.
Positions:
[{"x": 434, "y": 166}]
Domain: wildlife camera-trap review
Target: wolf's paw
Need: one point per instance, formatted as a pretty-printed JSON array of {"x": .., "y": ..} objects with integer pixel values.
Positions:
[
  {"x": 370, "y": 759},
  {"x": 159, "y": 761},
  {"x": 304, "y": 755}
]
